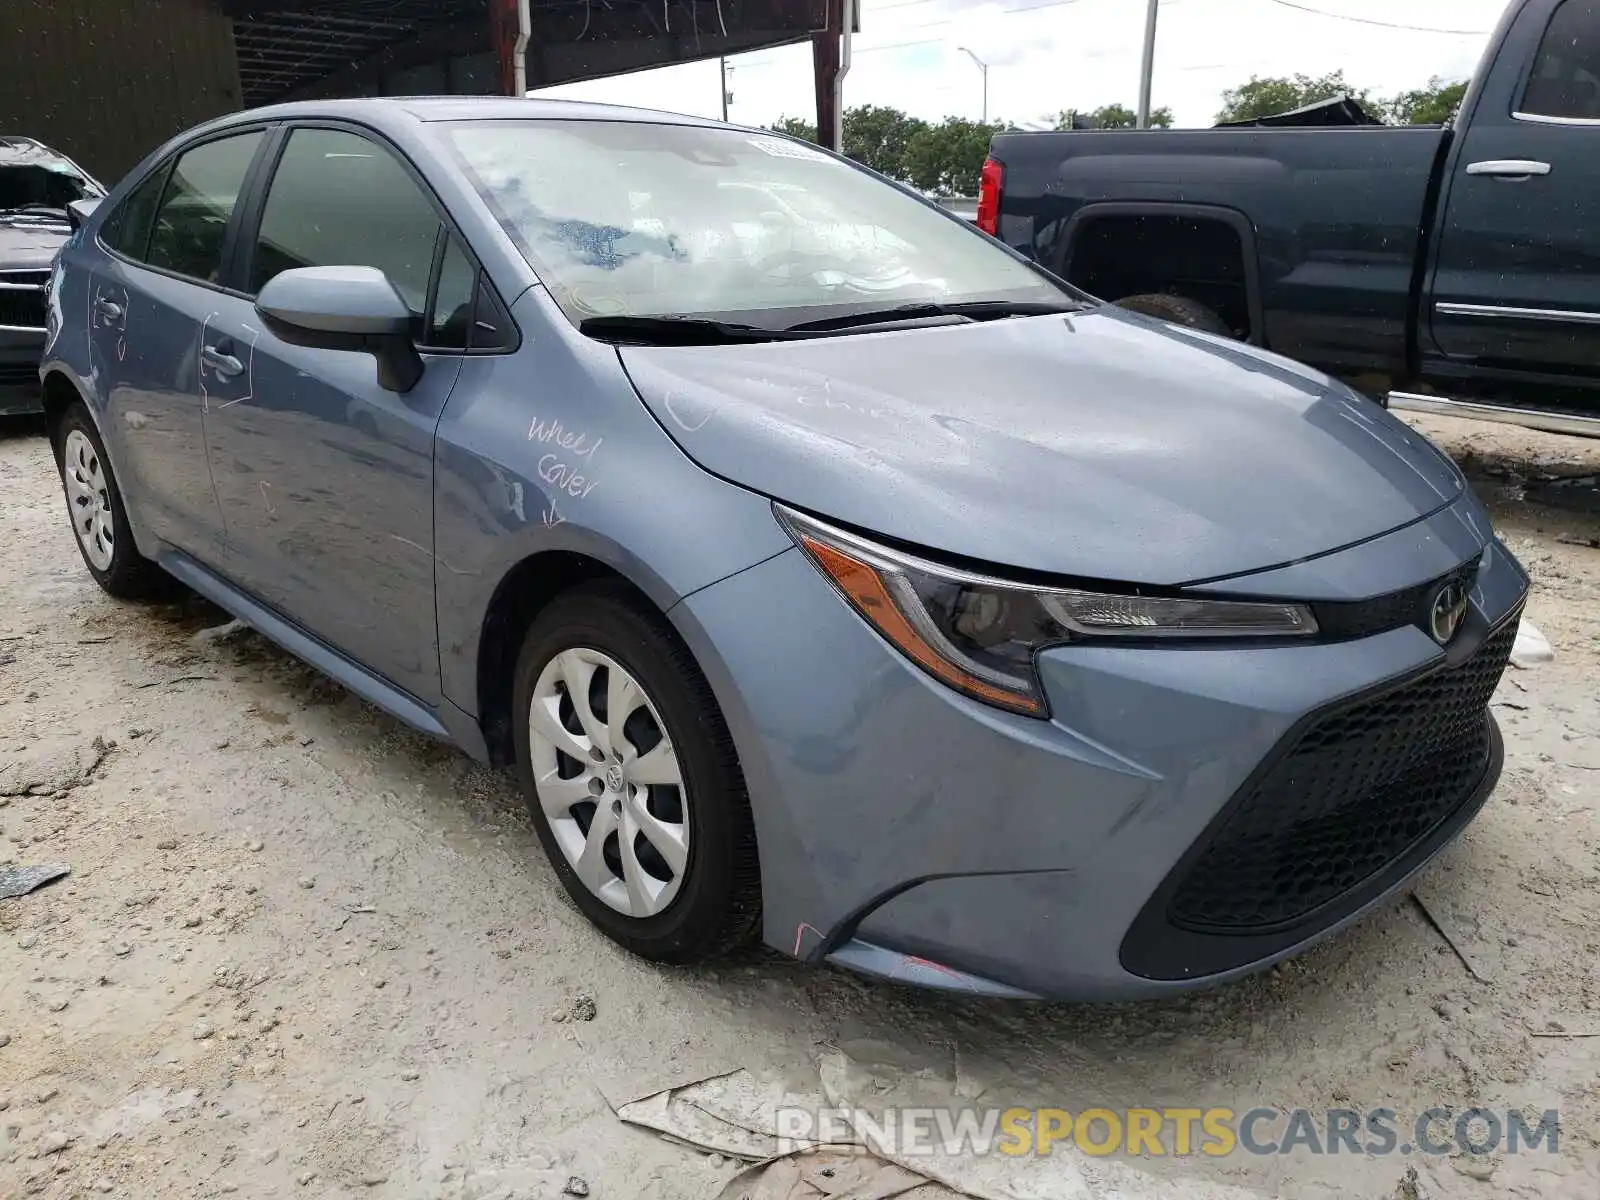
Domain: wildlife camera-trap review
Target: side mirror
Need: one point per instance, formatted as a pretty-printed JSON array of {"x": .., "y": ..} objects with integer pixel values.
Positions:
[
  {"x": 345, "y": 308},
  {"x": 80, "y": 211}
]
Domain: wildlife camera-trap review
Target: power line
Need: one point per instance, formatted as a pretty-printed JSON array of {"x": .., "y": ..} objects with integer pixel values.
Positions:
[
  {"x": 1381, "y": 24},
  {"x": 762, "y": 62}
]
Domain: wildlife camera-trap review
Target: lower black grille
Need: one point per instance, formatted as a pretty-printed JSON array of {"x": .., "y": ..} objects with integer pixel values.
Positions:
[
  {"x": 11, "y": 373},
  {"x": 1359, "y": 788}
]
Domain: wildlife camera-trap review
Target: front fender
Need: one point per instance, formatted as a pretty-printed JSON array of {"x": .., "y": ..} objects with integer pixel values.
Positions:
[{"x": 550, "y": 450}]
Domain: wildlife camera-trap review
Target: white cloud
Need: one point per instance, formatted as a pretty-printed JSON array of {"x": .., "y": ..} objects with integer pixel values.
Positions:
[{"x": 1049, "y": 55}]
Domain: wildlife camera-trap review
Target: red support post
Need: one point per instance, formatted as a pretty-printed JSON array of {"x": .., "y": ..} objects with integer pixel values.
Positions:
[
  {"x": 825, "y": 68},
  {"x": 503, "y": 31}
]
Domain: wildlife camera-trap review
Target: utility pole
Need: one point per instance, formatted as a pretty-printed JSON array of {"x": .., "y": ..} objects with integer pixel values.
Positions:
[
  {"x": 1148, "y": 69},
  {"x": 722, "y": 64},
  {"x": 984, "y": 67}
]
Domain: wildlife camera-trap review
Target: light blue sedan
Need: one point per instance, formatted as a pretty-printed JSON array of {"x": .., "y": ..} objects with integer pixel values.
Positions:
[{"x": 829, "y": 573}]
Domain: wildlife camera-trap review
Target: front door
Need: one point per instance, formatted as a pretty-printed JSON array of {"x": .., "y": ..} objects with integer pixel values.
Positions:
[
  {"x": 325, "y": 478},
  {"x": 146, "y": 297},
  {"x": 1517, "y": 282}
]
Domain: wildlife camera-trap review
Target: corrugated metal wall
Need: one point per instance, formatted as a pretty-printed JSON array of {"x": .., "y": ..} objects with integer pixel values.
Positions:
[{"x": 107, "y": 81}]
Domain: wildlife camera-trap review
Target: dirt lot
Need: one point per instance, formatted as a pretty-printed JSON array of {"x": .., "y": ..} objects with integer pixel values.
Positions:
[{"x": 303, "y": 952}]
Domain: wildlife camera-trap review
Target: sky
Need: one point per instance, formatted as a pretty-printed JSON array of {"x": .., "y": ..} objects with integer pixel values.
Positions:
[{"x": 1048, "y": 55}]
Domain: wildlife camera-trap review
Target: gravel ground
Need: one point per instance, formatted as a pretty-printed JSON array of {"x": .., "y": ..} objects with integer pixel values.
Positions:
[{"x": 304, "y": 952}]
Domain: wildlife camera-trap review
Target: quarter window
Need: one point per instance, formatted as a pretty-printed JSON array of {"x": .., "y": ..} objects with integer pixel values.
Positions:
[
  {"x": 1566, "y": 73},
  {"x": 127, "y": 230},
  {"x": 338, "y": 199},
  {"x": 191, "y": 224},
  {"x": 450, "y": 326}
]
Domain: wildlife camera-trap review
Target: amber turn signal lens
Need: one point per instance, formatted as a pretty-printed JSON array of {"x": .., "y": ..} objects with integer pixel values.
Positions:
[{"x": 864, "y": 587}]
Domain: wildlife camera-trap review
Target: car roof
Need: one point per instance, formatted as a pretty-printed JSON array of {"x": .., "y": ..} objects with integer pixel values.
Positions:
[{"x": 460, "y": 108}]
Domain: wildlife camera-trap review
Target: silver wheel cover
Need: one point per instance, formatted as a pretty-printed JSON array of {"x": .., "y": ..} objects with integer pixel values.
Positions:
[
  {"x": 608, "y": 781},
  {"x": 89, "y": 502}
]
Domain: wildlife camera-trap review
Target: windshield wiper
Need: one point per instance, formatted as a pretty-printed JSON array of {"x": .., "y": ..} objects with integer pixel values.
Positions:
[
  {"x": 977, "y": 310},
  {"x": 676, "y": 331}
]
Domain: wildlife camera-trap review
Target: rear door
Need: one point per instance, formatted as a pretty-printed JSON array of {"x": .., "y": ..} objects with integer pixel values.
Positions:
[
  {"x": 1517, "y": 281},
  {"x": 162, "y": 272},
  {"x": 325, "y": 478}
]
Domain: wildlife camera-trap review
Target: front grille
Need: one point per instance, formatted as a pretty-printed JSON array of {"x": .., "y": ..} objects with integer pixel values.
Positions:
[
  {"x": 1359, "y": 787},
  {"x": 22, "y": 298},
  {"x": 12, "y": 373},
  {"x": 1342, "y": 620}
]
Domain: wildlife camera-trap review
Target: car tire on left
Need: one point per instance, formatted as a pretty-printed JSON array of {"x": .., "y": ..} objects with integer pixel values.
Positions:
[{"x": 99, "y": 519}]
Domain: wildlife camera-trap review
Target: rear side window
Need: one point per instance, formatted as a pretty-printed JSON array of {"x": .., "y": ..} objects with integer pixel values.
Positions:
[
  {"x": 191, "y": 224},
  {"x": 1566, "y": 73},
  {"x": 127, "y": 231},
  {"x": 338, "y": 199}
]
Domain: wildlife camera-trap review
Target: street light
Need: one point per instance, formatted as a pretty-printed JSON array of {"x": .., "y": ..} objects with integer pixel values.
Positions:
[
  {"x": 1147, "y": 67},
  {"x": 984, "y": 67}
]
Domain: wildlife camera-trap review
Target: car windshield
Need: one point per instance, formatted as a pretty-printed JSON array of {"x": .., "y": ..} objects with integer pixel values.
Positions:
[
  {"x": 44, "y": 182},
  {"x": 628, "y": 219}
]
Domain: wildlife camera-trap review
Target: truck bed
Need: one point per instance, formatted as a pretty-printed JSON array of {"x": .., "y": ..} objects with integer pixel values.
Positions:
[{"x": 1336, "y": 215}]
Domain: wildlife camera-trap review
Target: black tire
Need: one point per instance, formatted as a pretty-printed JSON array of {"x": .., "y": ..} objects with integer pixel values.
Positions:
[
  {"x": 1180, "y": 310},
  {"x": 717, "y": 909},
  {"x": 129, "y": 575}
]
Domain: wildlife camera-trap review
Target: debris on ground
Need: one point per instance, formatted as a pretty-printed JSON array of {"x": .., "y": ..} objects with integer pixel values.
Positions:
[
  {"x": 19, "y": 881},
  {"x": 219, "y": 633},
  {"x": 1437, "y": 906},
  {"x": 1531, "y": 647},
  {"x": 52, "y": 765}
]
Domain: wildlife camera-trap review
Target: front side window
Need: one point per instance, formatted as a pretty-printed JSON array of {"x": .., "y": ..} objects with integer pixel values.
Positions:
[
  {"x": 1566, "y": 73},
  {"x": 338, "y": 199},
  {"x": 191, "y": 224},
  {"x": 632, "y": 219}
]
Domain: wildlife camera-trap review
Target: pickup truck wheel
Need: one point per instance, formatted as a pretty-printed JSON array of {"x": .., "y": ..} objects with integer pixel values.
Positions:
[{"x": 1180, "y": 310}]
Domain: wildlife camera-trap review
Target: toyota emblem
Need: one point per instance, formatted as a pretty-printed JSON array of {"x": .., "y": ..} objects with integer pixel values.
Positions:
[{"x": 1448, "y": 610}]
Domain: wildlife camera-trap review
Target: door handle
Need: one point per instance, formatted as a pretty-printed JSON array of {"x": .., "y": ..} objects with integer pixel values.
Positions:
[
  {"x": 108, "y": 309},
  {"x": 225, "y": 365},
  {"x": 1509, "y": 168}
]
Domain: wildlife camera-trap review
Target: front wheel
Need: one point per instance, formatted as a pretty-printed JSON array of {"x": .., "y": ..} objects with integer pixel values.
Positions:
[
  {"x": 99, "y": 519},
  {"x": 632, "y": 779}
]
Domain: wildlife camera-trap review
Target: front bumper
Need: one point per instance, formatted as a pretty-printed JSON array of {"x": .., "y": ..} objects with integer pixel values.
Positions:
[
  {"x": 909, "y": 832},
  {"x": 20, "y": 390}
]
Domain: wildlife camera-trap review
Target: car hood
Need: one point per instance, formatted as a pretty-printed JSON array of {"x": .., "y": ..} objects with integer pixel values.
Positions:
[
  {"x": 30, "y": 240},
  {"x": 1100, "y": 445}
]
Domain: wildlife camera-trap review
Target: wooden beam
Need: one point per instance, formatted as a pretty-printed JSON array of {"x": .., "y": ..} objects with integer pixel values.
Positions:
[{"x": 825, "y": 70}]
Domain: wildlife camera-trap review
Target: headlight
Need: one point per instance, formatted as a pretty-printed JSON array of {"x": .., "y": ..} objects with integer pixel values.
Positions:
[{"x": 980, "y": 634}]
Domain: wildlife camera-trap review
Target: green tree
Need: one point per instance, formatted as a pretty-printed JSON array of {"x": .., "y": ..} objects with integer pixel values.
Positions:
[
  {"x": 946, "y": 159},
  {"x": 1116, "y": 116},
  {"x": 878, "y": 136},
  {"x": 796, "y": 127},
  {"x": 1431, "y": 105},
  {"x": 1268, "y": 97}
]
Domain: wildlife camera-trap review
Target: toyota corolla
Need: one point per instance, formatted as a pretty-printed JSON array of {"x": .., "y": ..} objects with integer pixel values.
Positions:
[{"x": 829, "y": 573}]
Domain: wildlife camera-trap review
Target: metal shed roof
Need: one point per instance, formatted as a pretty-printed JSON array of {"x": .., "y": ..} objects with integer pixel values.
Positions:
[{"x": 290, "y": 49}]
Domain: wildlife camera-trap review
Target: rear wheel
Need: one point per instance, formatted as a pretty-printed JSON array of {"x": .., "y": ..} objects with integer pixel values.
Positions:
[
  {"x": 1180, "y": 310},
  {"x": 99, "y": 520},
  {"x": 632, "y": 779}
]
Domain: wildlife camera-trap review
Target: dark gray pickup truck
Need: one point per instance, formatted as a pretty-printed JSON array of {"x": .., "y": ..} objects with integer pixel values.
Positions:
[{"x": 1451, "y": 269}]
